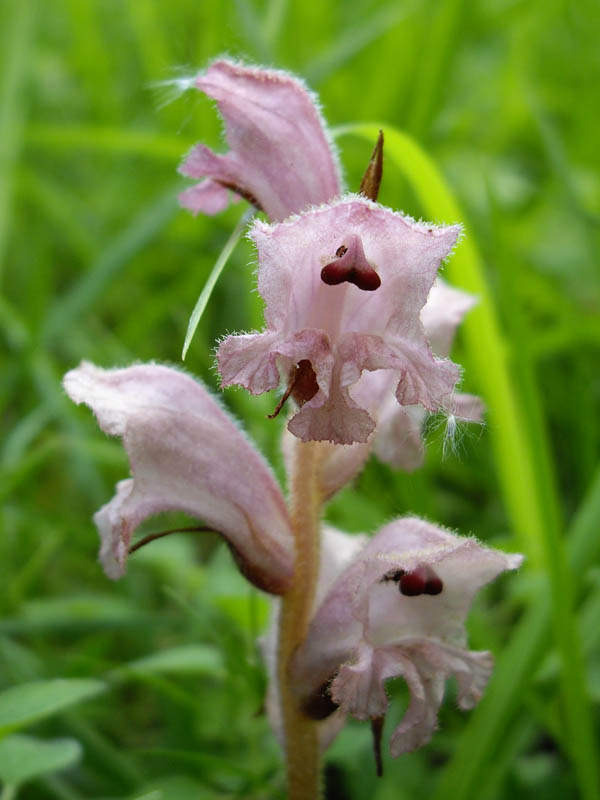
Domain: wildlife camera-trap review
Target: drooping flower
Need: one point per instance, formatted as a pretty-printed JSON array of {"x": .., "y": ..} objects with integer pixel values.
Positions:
[
  {"x": 188, "y": 455},
  {"x": 344, "y": 285},
  {"x": 398, "y": 610},
  {"x": 281, "y": 157}
]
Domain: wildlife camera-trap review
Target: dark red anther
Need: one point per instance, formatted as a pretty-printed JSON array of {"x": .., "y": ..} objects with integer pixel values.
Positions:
[
  {"x": 412, "y": 583},
  {"x": 422, "y": 580},
  {"x": 434, "y": 585},
  {"x": 352, "y": 266}
]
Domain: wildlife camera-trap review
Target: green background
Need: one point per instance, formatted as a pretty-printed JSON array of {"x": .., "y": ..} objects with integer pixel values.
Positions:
[{"x": 98, "y": 262}]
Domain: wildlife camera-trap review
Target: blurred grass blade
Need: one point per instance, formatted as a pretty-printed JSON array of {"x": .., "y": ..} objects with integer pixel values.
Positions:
[
  {"x": 107, "y": 139},
  {"x": 526, "y": 479},
  {"x": 88, "y": 289},
  {"x": 466, "y": 773},
  {"x": 273, "y": 21},
  {"x": 354, "y": 39},
  {"x": 29, "y": 702},
  {"x": 441, "y": 37},
  {"x": 210, "y": 284},
  {"x": 23, "y": 757},
  {"x": 16, "y": 39},
  {"x": 487, "y": 354}
]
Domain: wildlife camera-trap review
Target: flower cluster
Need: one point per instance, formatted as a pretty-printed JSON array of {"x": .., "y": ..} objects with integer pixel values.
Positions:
[{"x": 358, "y": 328}]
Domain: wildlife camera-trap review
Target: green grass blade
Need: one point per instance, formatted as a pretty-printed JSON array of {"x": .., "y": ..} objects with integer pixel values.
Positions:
[
  {"x": 466, "y": 772},
  {"x": 210, "y": 284},
  {"x": 354, "y": 39},
  {"x": 17, "y": 25},
  {"x": 527, "y": 486},
  {"x": 149, "y": 222},
  {"x": 107, "y": 139}
]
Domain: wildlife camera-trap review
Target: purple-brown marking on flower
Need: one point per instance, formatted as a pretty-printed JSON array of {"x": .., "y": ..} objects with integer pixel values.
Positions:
[
  {"x": 352, "y": 266},
  {"x": 422, "y": 580},
  {"x": 305, "y": 382},
  {"x": 320, "y": 705}
]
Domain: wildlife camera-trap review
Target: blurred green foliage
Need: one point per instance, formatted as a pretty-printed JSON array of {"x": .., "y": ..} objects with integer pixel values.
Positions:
[{"x": 97, "y": 262}]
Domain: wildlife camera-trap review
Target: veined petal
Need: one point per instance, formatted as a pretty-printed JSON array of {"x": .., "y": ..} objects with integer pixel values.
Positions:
[
  {"x": 207, "y": 197},
  {"x": 281, "y": 156},
  {"x": 186, "y": 454}
]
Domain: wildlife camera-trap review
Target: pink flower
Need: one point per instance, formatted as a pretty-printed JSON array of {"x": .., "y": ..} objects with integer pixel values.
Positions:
[
  {"x": 344, "y": 285},
  {"x": 281, "y": 157},
  {"x": 186, "y": 454},
  {"x": 399, "y": 609},
  {"x": 398, "y": 437}
]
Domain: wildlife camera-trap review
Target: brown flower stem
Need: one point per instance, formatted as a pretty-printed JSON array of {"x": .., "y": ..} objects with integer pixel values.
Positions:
[{"x": 301, "y": 744}]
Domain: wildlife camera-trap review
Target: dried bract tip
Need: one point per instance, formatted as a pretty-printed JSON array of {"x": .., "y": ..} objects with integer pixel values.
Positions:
[
  {"x": 371, "y": 180},
  {"x": 377, "y": 731}
]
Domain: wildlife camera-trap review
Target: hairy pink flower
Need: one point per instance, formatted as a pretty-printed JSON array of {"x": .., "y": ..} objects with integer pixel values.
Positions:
[
  {"x": 398, "y": 437},
  {"x": 343, "y": 285},
  {"x": 186, "y": 454},
  {"x": 399, "y": 609},
  {"x": 281, "y": 158}
]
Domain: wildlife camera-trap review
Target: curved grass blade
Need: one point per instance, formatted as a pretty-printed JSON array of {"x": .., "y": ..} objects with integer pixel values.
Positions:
[
  {"x": 526, "y": 480},
  {"x": 210, "y": 284},
  {"x": 15, "y": 65}
]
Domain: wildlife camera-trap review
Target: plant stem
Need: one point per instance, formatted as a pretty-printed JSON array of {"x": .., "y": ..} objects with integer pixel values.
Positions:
[{"x": 301, "y": 745}]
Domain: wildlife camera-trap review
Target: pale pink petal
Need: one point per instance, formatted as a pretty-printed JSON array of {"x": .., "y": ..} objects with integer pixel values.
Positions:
[
  {"x": 256, "y": 360},
  {"x": 186, "y": 454},
  {"x": 373, "y": 625},
  {"x": 280, "y": 155},
  {"x": 432, "y": 666},
  {"x": 336, "y": 419},
  {"x": 399, "y": 438},
  {"x": 442, "y": 314},
  {"x": 467, "y": 407},
  {"x": 207, "y": 197}
]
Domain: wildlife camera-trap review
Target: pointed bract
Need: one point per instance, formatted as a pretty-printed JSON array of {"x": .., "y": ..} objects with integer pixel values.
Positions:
[
  {"x": 347, "y": 328},
  {"x": 188, "y": 455},
  {"x": 281, "y": 158},
  {"x": 399, "y": 609}
]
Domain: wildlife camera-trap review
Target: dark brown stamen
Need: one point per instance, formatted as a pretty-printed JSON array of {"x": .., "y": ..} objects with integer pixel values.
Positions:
[
  {"x": 284, "y": 397},
  {"x": 320, "y": 704},
  {"x": 371, "y": 181},
  {"x": 377, "y": 731},
  {"x": 341, "y": 251},
  {"x": 305, "y": 382},
  {"x": 242, "y": 193},
  {"x": 151, "y": 537},
  {"x": 302, "y": 385}
]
